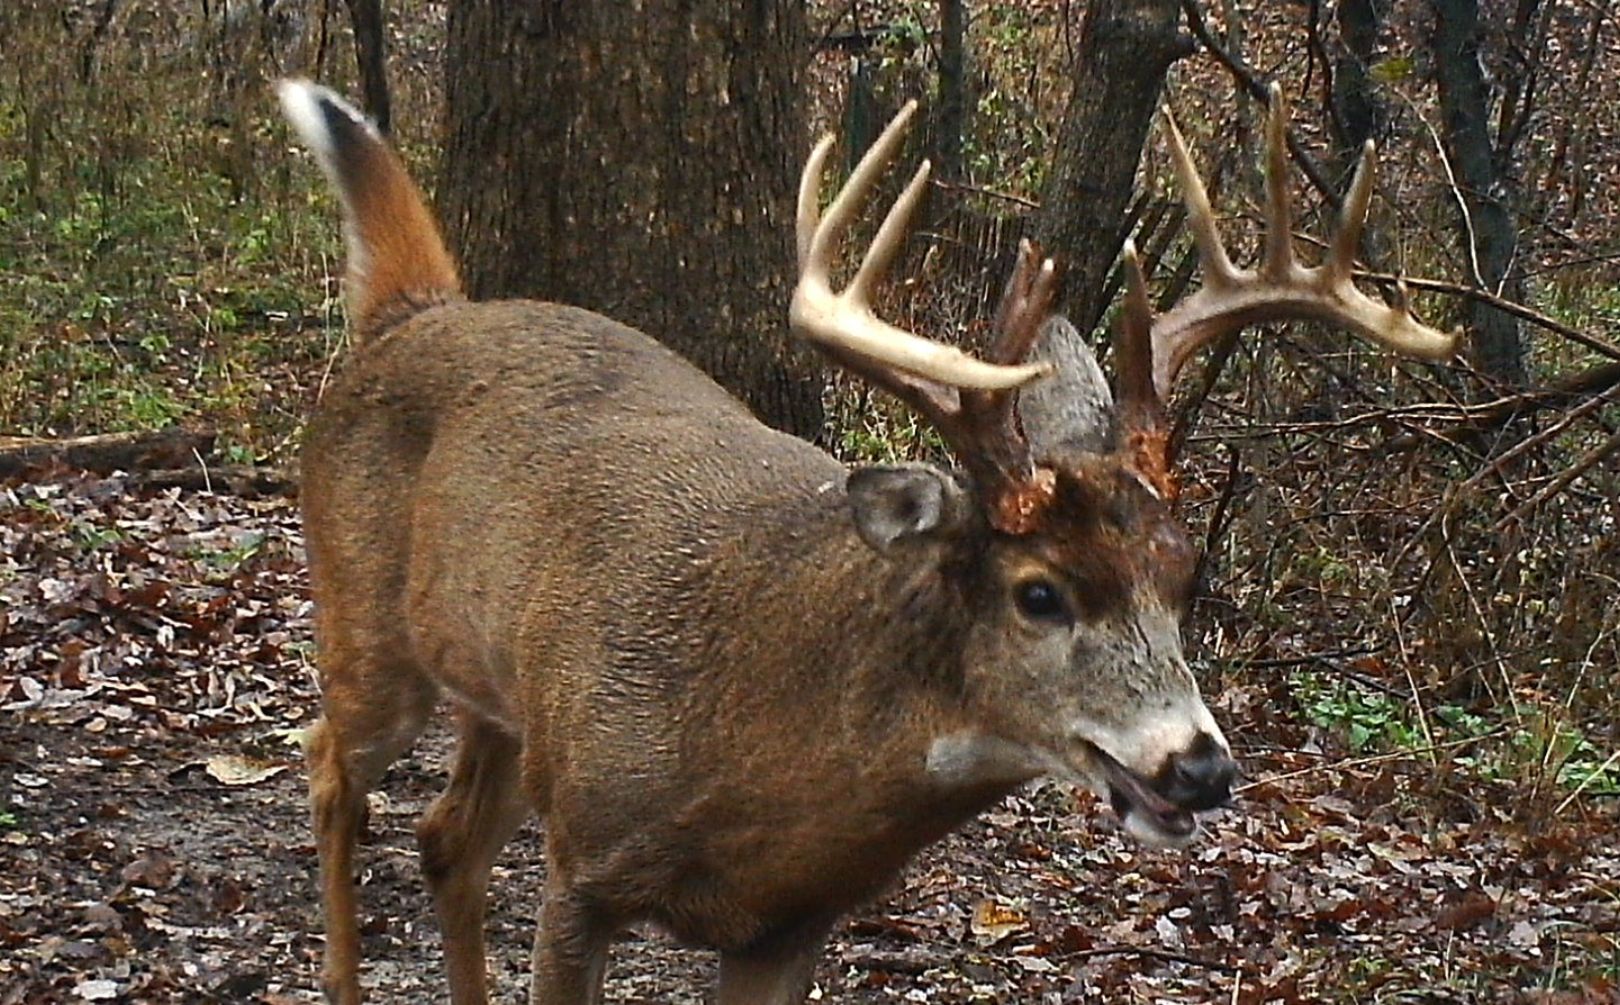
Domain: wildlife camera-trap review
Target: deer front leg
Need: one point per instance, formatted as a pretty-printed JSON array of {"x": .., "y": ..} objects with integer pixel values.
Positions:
[{"x": 777, "y": 973}]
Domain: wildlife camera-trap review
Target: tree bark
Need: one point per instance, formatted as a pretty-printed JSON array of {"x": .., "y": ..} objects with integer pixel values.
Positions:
[
  {"x": 371, "y": 57},
  {"x": 1489, "y": 237},
  {"x": 1125, "y": 48},
  {"x": 640, "y": 160},
  {"x": 952, "y": 90},
  {"x": 1357, "y": 115}
]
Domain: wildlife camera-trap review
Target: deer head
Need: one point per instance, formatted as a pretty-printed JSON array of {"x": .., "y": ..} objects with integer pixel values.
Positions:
[{"x": 1062, "y": 532}]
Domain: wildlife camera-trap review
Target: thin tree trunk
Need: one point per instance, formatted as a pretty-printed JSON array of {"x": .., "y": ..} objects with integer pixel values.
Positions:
[
  {"x": 1357, "y": 116},
  {"x": 1489, "y": 237},
  {"x": 642, "y": 161},
  {"x": 371, "y": 56},
  {"x": 1125, "y": 48},
  {"x": 952, "y": 99}
]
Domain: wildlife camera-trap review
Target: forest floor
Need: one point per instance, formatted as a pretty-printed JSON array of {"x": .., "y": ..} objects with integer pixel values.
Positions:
[{"x": 157, "y": 677}]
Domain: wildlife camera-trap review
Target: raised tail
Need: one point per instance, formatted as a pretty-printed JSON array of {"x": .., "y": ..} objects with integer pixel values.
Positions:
[{"x": 398, "y": 264}]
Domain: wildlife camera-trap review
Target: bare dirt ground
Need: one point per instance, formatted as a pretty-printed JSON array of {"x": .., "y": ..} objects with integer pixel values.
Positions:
[{"x": 156, "y": 671}]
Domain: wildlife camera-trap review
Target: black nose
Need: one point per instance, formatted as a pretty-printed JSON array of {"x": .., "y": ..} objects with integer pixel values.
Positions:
[{"x": 1200, "y": 777}]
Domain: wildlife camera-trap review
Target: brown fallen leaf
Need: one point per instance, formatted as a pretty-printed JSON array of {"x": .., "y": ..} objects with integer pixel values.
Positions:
[
  {"x": 239, "y": 769},
  {"x": 1471, "y": 910},
  {"x": 993, "y": 922}
]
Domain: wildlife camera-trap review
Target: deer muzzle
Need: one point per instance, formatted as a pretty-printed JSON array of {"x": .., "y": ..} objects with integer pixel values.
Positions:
[{"x": 1162, "y": 808}]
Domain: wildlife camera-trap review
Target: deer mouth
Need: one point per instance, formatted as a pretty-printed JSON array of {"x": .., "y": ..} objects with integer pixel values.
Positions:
[{"x": 1146, "y": 814}]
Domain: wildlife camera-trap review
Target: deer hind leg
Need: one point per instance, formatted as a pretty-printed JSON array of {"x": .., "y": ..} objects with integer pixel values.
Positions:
[
  {"x": 460, "y": 835},
  {"x": 777, "y": 973},
  {"x": 570, "y": 948},
  {"x": 372, "y": 714}
]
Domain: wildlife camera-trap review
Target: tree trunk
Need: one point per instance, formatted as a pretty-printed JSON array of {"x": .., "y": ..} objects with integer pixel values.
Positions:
[
  {"x": 1125, "y": 48},
  {"x": 369, "y": 54},
  {"x": 1488, "y": 234},
  {"x": 1357, "y": 116},
  {"x": 640, "y": 160},
  {"x": 952, "y": 91}
]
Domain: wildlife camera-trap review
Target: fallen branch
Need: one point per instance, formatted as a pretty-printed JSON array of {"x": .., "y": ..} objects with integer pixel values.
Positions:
[
  {"x": 1594, "y": 384},
  {"x": 1587, "y": 461},
  {"x": 233, "y": 480},
  {"x": 1152, "y": 954},
  {"x": 104, "y": 453}
]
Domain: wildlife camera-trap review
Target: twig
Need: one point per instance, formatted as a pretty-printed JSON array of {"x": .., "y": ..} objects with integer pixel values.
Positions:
[
  {"x": 1309, "y": 658},
  {"x": 1156, "y": 954},
  {"x": 1529, "y": 443},
  {"x": 1600, "y": 380},
  {"x": 1256, "y": 89},
  {"x": 1220, "y": 520},
  {"x": 1574, "y": 471},
  {"x": 1456, "y": 192},
  {"x": 1512, "y": 307},
  {"x": 1362, "y": 762},
  {"x": 958, "y": 186},
  {"x": 1330, "y": 662},
  {"x": 1605, "y": 766},
  {"x": 1456, "y": 495},
  {"x": 1498, "y": 658}
]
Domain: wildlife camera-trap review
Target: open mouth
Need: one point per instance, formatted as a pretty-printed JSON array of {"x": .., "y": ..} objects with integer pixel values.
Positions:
[{"x": 1145, "y": 813}]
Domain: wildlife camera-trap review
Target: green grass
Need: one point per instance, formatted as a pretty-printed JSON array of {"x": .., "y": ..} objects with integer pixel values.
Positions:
[
  {"x": 164, "y": 257},
  {"x": 1526, "y": 747}
]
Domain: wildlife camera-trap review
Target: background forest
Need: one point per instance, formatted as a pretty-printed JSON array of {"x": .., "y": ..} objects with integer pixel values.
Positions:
[{"x": 1409, "y": 614}]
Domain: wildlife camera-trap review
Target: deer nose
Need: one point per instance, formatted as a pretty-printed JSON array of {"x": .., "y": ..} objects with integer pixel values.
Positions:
[{"x": 1200, "y": 777}]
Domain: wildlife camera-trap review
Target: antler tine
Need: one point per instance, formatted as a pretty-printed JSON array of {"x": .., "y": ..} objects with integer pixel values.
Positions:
[
  {"x": 832, "y": 227},
  {"x": 1341, "y": 257},
  {"x": 1141, "y": 409},
  {"x": 1279, "y": 253},
  {"x": 809, "y": 212},
  {"x": 1133, "y": 339},
  {"x": 1218, "y": 268},
  {"x": 843, "y": 323},
  {"x": 890, "y": 235},
  {"x": 1281, "y": 289},
  {"x": 1025, "y": 304}
]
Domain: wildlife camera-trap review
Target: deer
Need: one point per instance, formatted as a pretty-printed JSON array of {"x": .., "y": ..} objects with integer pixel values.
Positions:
[{"x": 741, "y": 683}]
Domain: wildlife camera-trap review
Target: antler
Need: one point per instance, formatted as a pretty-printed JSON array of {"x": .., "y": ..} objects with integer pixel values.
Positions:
[
  {"x": 969, "y": 401},
  {"x": 1280, "y": 287},
  {"x": 845, "y": 320}
]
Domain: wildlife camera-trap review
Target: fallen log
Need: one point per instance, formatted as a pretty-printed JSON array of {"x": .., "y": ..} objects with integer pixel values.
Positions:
[{"x": 105, "y": 453}]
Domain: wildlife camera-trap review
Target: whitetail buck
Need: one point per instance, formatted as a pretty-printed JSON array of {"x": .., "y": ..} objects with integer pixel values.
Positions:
[{"x": 742, "y": 684}]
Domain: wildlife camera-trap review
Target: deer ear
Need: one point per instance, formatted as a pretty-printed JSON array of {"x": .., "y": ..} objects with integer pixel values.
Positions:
[
  {"x": 1073, "y": 407},
  {"x": 896, "y": 505}
]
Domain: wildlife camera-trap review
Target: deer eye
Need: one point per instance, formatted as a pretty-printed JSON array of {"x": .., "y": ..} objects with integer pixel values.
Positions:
[{"x": 1040, "y": 600}]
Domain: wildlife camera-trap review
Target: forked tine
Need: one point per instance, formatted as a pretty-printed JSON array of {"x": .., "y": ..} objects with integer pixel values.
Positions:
[
  {"x": 843, "y": 322},
  {"x": 1026, "y": 303},
  {"x": 835, "y": 223}
]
